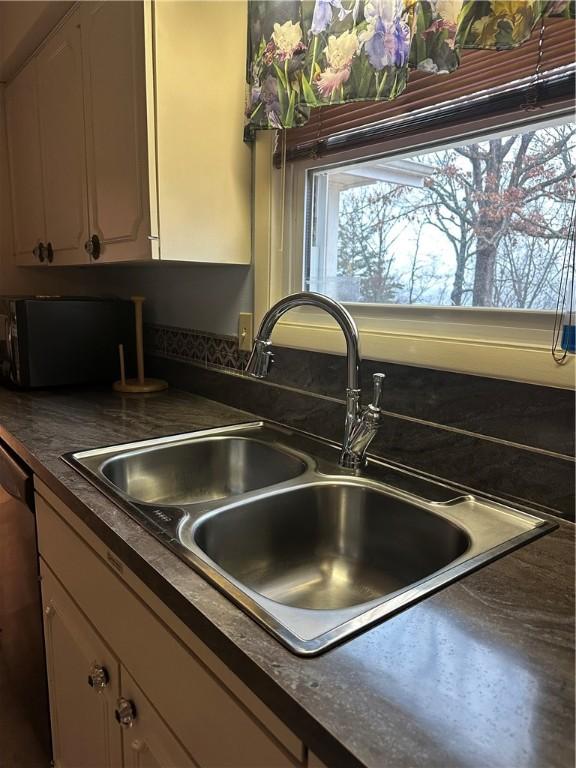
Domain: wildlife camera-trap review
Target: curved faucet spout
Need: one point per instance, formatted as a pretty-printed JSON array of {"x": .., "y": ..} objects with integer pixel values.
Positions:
[
  {"x": 261, "y": 358},
  {"x": 360, "y": 427}
]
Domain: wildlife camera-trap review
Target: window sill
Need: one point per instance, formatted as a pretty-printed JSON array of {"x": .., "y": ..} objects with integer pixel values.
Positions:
[{"x": 503, "y": 359}]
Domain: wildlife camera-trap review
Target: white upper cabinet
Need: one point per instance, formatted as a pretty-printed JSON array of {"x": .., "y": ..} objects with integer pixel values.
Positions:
[
  {"x": 60, "y": 102},
  {"x": 116, "y": 137},
  {"x": 126, "y": 137},
  {"x": 25, "y": 167},
  {"x": 204, "y": 167}
]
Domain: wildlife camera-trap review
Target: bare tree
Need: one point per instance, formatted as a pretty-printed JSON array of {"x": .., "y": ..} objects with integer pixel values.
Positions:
[
  {"x": 527, "y": 274},
  {"x": 366, "y": 238},
  {"x": 501, "y": 186},
  {"x": 501, "y": 208},
  {"x": 423, "y": 277}
]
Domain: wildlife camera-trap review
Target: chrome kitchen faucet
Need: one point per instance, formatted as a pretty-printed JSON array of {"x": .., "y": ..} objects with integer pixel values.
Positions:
[{"x": 361, "y": 424}]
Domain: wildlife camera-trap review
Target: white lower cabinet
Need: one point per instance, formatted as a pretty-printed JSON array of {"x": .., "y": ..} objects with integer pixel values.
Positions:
[
  {"x": 84, "y": 684},
  {"x": 148, "y": 743},
  {"x": 129, "y": 685},
  {"x": 98, "y": 712}
]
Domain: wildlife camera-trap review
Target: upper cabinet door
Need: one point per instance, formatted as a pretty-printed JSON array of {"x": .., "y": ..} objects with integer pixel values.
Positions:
[
  {"x": 25, "y": 166},
  {"x": 204, "y": 167},
  {"x": 62, "y": 140},
  {"x": 116, "y": 130}
]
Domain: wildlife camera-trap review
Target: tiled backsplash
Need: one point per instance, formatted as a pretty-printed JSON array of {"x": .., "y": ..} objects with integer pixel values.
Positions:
[
  {"x": 510, "y": 440},
  {"x": 194, "y": 347}
]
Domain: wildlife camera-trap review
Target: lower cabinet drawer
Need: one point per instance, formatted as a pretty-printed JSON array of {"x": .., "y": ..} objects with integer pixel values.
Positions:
[
  {"x": 148, "y": 742},
  {"x": 213, "y": 725}
]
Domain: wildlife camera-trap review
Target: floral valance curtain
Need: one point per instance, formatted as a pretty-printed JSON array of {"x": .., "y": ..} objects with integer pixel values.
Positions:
[{"x": 305, "y": 54}]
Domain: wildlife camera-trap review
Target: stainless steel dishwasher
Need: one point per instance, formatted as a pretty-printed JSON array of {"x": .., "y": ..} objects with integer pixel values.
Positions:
[{"x": 21, "y": 632}]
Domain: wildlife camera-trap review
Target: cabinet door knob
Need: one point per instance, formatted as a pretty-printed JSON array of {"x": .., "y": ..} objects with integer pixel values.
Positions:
[
  {"x": 38, "y": 251},
  {"x": 92, "y": 247},
  {"x": 125, "y": 712},
  {"x": 49, "y": 253},
  {"x": 98, "y": 677},
  {"x": 49, "y": 611}
]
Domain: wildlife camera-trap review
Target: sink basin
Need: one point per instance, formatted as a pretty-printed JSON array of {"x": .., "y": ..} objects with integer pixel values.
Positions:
[
  {"x": 326, "y": 557},
  {"x": 329, "y": 546},
  {"x": 311, "y": 551},
  {"x": 199, "y": 470},
  {"x": 317, "y": 561}
]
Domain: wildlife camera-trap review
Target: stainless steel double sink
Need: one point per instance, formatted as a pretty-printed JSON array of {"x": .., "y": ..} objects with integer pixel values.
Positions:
[{"x": 313, "y": 552}]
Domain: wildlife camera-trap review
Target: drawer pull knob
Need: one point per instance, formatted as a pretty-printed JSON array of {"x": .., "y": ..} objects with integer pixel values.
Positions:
[
  {"x": 92, "y": 247},
  {"x": 125, "y": 712},
  {"x": 98, "y": 677},
  {"x": 38, "y": 251}
]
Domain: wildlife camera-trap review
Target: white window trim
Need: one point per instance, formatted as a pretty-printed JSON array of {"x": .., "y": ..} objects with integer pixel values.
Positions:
[{"x": 479, "y": 341}]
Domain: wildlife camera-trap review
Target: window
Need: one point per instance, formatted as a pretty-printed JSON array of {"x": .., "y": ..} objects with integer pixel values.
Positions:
[
  {"x": 472, "y": 224},
  {"x": 440, "y": 219}
]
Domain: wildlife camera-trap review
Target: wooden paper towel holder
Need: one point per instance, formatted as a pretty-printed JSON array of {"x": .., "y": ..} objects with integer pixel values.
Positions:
[{"x": 139, "y": 385}]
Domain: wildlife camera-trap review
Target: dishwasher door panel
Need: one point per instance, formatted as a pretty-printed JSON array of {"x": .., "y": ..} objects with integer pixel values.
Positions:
[{"x": 21, "y": 632}]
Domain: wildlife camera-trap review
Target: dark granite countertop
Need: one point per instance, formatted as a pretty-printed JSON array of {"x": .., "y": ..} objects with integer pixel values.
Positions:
[{"x": 480, "y": 674}]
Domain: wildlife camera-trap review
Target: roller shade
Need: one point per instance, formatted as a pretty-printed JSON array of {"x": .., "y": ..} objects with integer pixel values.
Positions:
[{"x": 332, "y": 129}]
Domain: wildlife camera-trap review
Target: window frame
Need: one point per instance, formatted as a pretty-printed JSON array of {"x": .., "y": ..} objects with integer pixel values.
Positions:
[{"x": 509, "y": 344}]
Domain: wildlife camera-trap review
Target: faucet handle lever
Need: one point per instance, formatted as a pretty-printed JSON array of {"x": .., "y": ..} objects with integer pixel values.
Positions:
[{"x": 377, "y": 381}]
